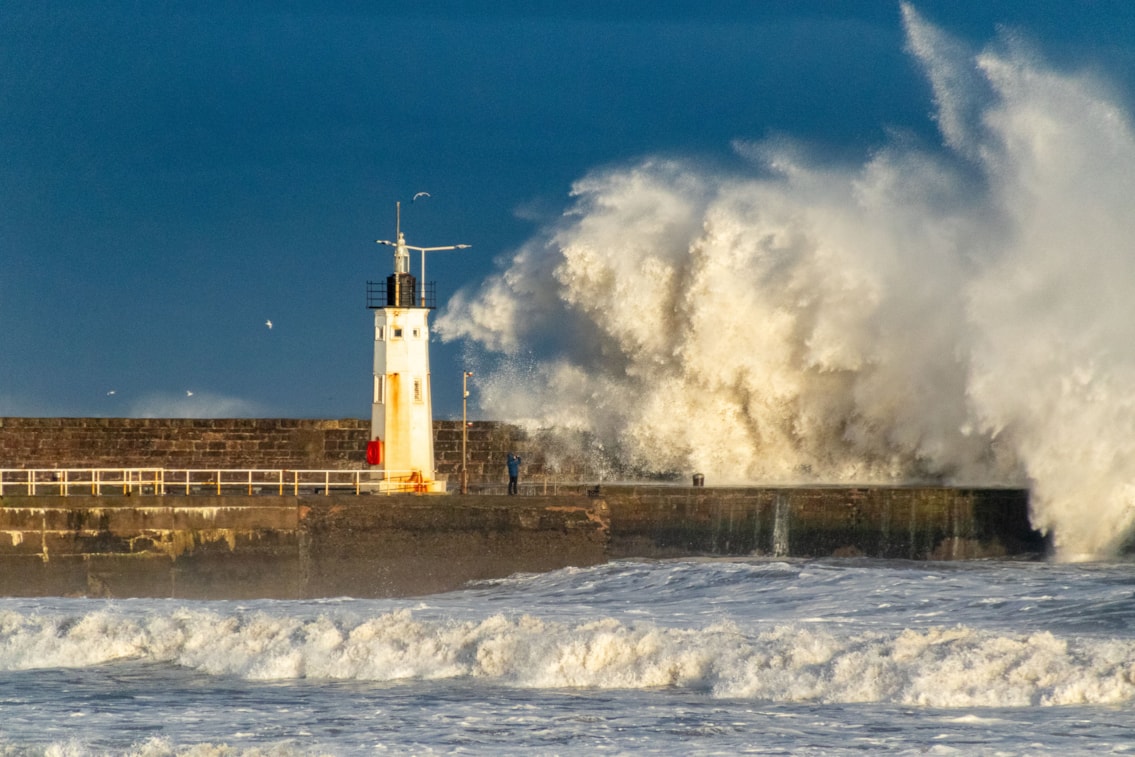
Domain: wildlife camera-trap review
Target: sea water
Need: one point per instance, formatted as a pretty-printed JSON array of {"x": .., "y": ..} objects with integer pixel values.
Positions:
[{"x": 714, "y": 656}]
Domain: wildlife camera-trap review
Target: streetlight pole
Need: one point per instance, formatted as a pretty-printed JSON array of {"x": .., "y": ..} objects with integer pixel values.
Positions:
[{"x": 464, "y": 430}]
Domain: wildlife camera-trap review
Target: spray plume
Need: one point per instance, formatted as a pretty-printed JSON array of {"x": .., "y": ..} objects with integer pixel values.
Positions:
[{"x": 963, "y": 315}]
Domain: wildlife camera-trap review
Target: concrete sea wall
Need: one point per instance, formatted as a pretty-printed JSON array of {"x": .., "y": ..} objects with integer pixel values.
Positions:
[{"x": 376, "y": 546}]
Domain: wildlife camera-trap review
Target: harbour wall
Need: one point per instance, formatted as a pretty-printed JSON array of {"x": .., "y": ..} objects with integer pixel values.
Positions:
[
  {"x": 271, "y": 443},
  {"x": 236, "y": 547}
]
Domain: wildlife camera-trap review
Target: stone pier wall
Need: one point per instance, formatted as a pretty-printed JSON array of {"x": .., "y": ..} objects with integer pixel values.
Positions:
[
  {"x": 234, "y": 547},
  {"x": 913, "y": 523},
  {"x": 182, "y": 443},
  {"x": 268, "y": 443},
  {"x": 284, "y": 547}
]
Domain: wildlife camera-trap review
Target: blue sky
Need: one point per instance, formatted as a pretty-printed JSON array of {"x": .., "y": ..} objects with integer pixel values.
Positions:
[{"x": 172, "y": 175}]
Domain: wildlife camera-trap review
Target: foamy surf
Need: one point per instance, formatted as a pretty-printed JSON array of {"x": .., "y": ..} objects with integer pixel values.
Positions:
[
  {"x": 674, "y": 657},
  {"x": 823, "y": 659}
]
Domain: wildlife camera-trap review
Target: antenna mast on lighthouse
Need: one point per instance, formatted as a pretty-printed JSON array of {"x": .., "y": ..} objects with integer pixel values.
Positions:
[{"x": 401, "y": 446}]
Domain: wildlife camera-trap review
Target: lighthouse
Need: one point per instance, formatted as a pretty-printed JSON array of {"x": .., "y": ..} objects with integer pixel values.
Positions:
[{"x": 401, "y": 448}]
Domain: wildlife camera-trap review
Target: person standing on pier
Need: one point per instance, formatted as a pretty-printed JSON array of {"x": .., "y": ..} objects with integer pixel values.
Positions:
[{"x": 513, "y": 472}]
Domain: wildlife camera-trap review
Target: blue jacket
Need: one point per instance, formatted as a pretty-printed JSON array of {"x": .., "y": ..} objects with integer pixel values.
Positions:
[{"x": 513, "y": 465}]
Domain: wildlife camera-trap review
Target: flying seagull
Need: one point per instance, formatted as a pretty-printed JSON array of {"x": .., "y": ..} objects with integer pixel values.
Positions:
[
  {"x": 188, "y": 393},
  {"x": 110, "y": 393},
  {"x": 268, "y": 323},
  {"x": 420, "y": 194}
]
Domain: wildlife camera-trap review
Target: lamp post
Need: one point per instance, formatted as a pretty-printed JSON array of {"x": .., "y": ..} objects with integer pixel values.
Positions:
[{"x": 464, "y": 431}]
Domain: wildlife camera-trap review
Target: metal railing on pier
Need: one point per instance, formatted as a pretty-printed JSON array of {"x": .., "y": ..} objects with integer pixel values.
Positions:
[
  {"x": 189, "y": 481},
  {"x": 66, "y": 482}
]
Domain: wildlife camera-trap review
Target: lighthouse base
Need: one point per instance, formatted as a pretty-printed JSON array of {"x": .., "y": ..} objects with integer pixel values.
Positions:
[{"x": 410, "y": 485}]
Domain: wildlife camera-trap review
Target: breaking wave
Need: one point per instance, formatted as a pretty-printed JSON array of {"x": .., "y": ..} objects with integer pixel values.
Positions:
[
  {"x": 790, "y": 662},
  {"x": 960, "y": 314}
]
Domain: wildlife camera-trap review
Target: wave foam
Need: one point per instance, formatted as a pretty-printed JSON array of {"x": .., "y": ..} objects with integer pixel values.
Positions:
[{"x": 937, "y": 667}]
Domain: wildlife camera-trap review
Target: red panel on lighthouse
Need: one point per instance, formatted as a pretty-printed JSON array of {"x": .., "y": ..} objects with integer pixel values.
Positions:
[{"x": 374, "y": 452}]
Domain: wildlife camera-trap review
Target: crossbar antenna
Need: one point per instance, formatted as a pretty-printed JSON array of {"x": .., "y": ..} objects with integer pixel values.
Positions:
[{"x": 402, "y": 250}]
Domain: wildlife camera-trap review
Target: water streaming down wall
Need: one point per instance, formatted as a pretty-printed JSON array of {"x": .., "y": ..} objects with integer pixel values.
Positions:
[
  {"x": 961, "y": 313},
  {"x": 780, "y": 546},
  {"x": 914, "y": 523}
]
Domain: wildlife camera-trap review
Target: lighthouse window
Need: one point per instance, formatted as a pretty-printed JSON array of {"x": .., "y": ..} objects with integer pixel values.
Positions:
[
  {"x": 397, "y": 333},
  {"x": 416, "y": 333},
  {"x": 380, "y": 333},
  {"x": 417, "y": 390},
  {"x": 380, "y": 390}
]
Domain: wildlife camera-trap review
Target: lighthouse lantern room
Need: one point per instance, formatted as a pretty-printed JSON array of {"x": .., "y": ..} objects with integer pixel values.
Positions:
[{"x": 401, "y": 449}]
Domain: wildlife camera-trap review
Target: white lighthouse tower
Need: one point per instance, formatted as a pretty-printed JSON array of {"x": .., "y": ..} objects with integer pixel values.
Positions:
[{"x": 401, "y": 426}]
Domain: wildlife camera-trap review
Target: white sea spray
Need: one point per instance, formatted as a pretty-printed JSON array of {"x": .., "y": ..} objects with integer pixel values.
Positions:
[{"x": 962, "y": 314}]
